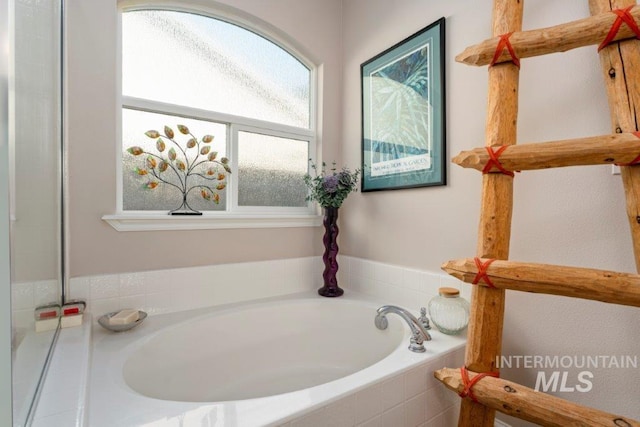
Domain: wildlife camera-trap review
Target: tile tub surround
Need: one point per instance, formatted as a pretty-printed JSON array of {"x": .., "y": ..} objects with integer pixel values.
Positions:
[
  {"x": 399, "y": 390},
  {"x": 167, "y": 291}
]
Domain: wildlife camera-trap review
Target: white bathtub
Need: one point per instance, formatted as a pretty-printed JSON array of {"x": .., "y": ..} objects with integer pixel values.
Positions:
[{"x": 252, "y": 364}]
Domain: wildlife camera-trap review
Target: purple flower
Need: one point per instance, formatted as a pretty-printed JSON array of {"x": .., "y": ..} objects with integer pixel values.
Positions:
[{"x": 330, "y": 184}]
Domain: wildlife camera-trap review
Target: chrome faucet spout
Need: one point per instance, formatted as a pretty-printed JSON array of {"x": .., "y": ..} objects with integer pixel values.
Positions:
[{"x": 418, "y": 332}]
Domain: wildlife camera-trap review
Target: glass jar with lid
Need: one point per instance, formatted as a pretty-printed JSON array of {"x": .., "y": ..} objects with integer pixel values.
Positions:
[{"x": 449, "y": 312}]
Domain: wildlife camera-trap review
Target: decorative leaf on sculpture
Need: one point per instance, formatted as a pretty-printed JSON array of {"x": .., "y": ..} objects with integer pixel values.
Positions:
[
  {"x": 172, "y": 154},
  {"x": 211, "y": 171},
  {"x": 221, "y": 176},
  {"x": 221, "y": 186},
  {"x": 180, "y": 165},
  {"x": 207, "y": 139},
  {"x": 224, "y": 160},
  {"x": 162, "y": 166},
  {"x": 169, "y": 132},
  {"x": 151, "y": 162},
  {"x": 152, "y": 134},
  {"x": 136, "y": 151},
  {"x": 160, "y": 145},
  {"x": 212, "y": 156},
  {"x": 205, "y": 150},
  {"x": 183, "y": 129},
  {"x": 191, "y": 143},
  {"x": 227, "y": 168},
  {"x": 216, "y": 198},
  {"x": 141, "y": 171},
  {"x": 151, "y": 185},
  {"x": 205, "y": 194}
]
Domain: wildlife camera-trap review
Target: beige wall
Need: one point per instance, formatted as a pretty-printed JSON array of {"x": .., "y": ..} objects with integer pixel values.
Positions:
[
  {"x": 95, "y": 247},
  {"x": 571, "y": 216}
]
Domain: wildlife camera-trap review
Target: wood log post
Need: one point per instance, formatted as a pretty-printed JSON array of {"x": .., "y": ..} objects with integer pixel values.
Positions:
[
  {"x": 527, "y": 404},
  {"x": 587, "y": 283},
  {"x": 620, "y": 63},
  {"x": 596, "y": 150},
  {"x": 487, "y": 305},
  {"x": 543, "y": 41}
]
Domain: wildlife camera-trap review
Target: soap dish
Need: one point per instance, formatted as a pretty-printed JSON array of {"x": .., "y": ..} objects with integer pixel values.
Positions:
[{"x": 104, "y": 322}]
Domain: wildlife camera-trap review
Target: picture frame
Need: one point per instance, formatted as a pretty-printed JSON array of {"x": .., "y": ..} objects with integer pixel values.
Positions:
[{"x": 403, "y": 113}]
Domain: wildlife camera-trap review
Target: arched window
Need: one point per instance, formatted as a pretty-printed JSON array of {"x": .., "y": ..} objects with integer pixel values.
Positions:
[{"x": 214, "y": 78}]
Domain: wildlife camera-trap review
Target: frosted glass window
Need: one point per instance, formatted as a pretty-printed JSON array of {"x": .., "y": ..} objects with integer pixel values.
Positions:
[
  {"x": 201, "y": 62},
  {"x": 166, "y": 197},
  {"x": 271, "y": 170}
]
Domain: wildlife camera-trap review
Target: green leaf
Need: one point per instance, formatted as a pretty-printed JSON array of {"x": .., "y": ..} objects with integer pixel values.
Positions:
[
  {"x": 205, "y": 150},
  {"x": 152, "y": 134},
  {"x": 168, "y": 131},
  {"x": 160, "y": 145},
  {"x": 136, "y": 151},
  {"x": 207, "y": 138},
  {"x": 183, "y": 129}
]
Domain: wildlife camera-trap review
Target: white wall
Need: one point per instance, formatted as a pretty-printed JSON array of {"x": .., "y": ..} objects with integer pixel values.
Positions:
[
  {"x": 571, "y": 216},
  {"x": 95, "y": 247}
]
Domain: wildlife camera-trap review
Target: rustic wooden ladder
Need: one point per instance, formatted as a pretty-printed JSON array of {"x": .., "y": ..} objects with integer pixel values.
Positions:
[{"x": 483, "y": 393}]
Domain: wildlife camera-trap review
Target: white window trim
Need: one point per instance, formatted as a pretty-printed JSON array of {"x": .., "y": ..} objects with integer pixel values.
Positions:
[{"x": 241, "y": 217}]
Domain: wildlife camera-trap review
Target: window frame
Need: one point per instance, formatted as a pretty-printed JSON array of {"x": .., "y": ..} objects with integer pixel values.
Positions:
[{"x": 233, "y": 216}]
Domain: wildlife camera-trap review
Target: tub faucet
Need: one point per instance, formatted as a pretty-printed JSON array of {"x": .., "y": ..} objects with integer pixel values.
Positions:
[{"x": 419, "y": 333}]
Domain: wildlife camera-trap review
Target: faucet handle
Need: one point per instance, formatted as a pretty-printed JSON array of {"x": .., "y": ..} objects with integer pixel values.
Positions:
[{"x": 423, "y": 319}]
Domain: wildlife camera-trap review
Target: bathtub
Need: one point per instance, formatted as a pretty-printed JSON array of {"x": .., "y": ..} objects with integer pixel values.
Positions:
[{"x": 268, "y": 363}]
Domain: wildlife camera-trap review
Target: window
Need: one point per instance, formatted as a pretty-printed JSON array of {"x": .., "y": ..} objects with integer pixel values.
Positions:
[{"x": 216, "y": 78}]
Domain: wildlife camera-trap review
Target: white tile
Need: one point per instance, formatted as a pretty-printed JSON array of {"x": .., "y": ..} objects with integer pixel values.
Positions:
[
  {"x": 415, "y": 381},
  {"x": 394, "y": 417},
  {"x": 373, "y": 422},
  {"x": 104, "y": 286},
  {"x": 415, "y": 410},
  {"x": 368, "y": 403},
  {"x": 46, "y": 291},
  {"x": 131, "y": 284},
  {"x": 22, "y": 296},
  {"x": 439, "y": 399},
  {"x": 313, "y": 419},
  {"x": 134, "y": 301},
  {"x": 103, "y": 306},
  {"x": 448, "y": 418},
  {"x": 388, "y": 273},
  {"x": 392, "y": 392},
  {"x": 340, "y": 413},
  {"x": 362, "y": 268},
  {"x": 163, "y": 280},
  {"x": 80, "y": 288},
  {"x": 64, "y": 419},
  {"x": 413, "y": 279}
]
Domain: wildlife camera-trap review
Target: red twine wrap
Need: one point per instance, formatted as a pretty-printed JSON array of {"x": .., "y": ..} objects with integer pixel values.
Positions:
[
  {"x": 495, "y": 162},
  {"x": 623, "y": 16},
  {"x": 634, "y": 161},
  {"x": 502, "y": 44},
  {"x": 468, "y": 384},
  {"x": 482, "y": 272}
]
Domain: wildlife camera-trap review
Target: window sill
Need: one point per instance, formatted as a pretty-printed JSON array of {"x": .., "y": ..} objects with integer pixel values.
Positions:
[{"x": 163, "y": 222}]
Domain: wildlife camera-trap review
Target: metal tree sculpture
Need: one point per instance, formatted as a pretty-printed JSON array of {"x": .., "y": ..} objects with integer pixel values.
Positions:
[{"x": 195, "y": 159}]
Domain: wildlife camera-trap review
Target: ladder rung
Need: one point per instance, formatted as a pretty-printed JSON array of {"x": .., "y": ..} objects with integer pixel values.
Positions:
[
  {"x": 598, "y": 285},
  {"x": 605, "y": 149},
  {"x": 559, "y": 38},
  {"x": 527, "y": 404}
]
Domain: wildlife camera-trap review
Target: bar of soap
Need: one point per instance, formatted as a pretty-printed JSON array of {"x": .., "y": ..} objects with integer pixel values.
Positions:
[{"x": 124, "y": 317}]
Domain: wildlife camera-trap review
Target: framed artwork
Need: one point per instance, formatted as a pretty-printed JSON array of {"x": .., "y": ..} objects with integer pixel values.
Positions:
[{"x": 403, "y": 113}]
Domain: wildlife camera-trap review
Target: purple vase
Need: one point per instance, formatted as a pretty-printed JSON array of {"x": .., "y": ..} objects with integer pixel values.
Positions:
[{"x": 330, "y": 257}]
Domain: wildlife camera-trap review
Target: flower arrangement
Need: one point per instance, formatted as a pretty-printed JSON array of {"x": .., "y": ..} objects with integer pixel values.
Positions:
[
  {"x": 180, "y": 165},
  {"x": 331, "y": 188}
]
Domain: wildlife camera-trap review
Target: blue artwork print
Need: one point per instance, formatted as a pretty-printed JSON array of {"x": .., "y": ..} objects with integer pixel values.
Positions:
[{"x": 400, "y": 115}]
